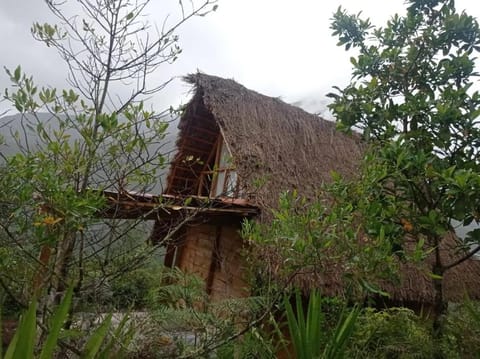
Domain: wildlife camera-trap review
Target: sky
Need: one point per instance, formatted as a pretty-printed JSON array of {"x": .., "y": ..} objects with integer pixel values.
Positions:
[{"x": 280, "y": 48}]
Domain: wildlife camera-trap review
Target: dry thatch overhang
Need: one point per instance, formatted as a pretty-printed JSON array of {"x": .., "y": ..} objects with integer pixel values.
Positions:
[
  {"x": 276, "y": 147},
  {"x": 416, "y": 279},
  {"x": 414, "y": 286}
]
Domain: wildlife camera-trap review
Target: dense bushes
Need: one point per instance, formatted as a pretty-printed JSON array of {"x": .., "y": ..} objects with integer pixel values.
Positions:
[
  {"x": 391, "y": 333},
  {"x": 462, "y": 334},
  {"x": 400, "y": 333}
]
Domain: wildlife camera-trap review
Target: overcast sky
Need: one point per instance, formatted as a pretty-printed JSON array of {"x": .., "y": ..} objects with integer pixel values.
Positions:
[{"x": 281, "y": 48}]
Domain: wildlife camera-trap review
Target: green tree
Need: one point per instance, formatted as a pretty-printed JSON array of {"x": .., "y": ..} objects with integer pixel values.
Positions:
[
  {"x": 73, "y": 144},
  {"x": 412, "y": 97}
]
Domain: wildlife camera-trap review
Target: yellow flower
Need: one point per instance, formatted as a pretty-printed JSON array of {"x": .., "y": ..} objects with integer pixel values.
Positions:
[
  {"x": 407, "y": 225},
  {"x": 50, "y": 220}
]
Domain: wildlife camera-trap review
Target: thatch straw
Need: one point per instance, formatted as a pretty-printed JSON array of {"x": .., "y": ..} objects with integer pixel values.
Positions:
[
  {"x": 413, "y": 284},
  {"x": 277, "y": 147}
]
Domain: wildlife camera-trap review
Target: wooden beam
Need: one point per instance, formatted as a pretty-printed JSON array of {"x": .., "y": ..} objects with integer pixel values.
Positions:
[
  {"x": 189, "y": 168},
  {"x": 187, "y": 149},
  {"x": 212, "y": 152},
  {"x": 218, "y": 153},
  {"x": 183, "y": 148},
  {"x": 194, "y": 129},
  {"x": 192, "y": 138},
  {"x": 214, "y": 260},
  {"x": 190, "y": 179},
  {"x": 170, "y": 256},
  {"x": 128, "y": 209}
]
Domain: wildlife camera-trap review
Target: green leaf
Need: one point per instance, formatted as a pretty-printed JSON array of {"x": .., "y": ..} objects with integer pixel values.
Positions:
[
  {"x": 95, "y": 341},
  {"x": 59, "y": 318},
  {"x": 345, "y": 328},
  {"x": 473, "y": 236},
  {"x": 23, "y": 344},
  {"x": 120, "y": 332},
  {"x": 372, "y": 288},
  {"x": 17, "y": 74}
]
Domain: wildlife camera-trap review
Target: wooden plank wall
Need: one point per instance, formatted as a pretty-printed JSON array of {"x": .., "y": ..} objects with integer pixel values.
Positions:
[{"x": 213, "y": 253}]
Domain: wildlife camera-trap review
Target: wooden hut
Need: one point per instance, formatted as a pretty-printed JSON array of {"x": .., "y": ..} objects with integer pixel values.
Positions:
[{"x": 239, "y": 149}]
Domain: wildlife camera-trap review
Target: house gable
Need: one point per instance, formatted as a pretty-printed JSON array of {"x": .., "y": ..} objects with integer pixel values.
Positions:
[{"x": 204, "y": 165}]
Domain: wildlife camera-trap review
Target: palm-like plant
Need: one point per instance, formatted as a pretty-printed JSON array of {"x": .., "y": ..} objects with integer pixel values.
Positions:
[{"x": 307, "y": 330}]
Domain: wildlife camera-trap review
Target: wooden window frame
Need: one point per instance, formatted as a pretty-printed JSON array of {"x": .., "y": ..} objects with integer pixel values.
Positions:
[{"x": 227, "y": 171}]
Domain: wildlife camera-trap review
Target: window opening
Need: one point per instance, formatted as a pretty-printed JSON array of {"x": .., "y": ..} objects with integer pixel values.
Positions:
[{"x": 219, "y": 178}]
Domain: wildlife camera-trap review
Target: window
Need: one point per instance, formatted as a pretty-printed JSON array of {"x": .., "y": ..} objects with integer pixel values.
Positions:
[
  {"x": 219, "y": 177},
  {"x": 225, "y": 176}
]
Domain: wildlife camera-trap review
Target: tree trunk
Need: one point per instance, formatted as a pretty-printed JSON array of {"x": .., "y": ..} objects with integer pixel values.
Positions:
[
  {"x": 439, "y": 303},
  {"x": 440, "y": 306},
  {"x": 64, "y": 256}
]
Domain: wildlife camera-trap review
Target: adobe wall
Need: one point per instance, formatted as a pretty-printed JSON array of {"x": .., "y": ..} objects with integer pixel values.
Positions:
[{"x": 213, "y": 252}]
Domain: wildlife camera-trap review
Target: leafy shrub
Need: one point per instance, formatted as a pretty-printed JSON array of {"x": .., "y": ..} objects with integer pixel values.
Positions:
[
  {"x": 129, "y": 291},
  {"x": 132, "y": 289},
  {"x": 391, "y": 333},
  {"x": 461, "y": 338}
]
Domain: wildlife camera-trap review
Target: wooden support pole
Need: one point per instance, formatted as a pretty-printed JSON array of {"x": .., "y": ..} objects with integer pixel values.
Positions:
[{"x": 215, "y": 259}]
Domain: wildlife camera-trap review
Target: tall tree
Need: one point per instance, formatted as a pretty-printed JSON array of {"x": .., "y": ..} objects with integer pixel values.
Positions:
[
  {"x": 75, "y": 143},
  {"x": 412, "y": 96}
]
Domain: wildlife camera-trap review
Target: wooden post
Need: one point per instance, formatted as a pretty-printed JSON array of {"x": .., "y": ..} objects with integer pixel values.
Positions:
[{"x": 215, "y": 259}]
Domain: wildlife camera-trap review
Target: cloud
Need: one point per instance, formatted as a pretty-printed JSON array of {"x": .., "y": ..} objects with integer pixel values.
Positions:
[{"x": 280, "y": 48}]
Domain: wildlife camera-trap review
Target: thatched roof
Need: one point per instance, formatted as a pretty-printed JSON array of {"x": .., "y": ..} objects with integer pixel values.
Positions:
[
  {"x": 413, "y": 283},
  {"x": 278, "y": 147},
  {"x": 416, "y": 283},
  {"x": 275, "y": 146}
]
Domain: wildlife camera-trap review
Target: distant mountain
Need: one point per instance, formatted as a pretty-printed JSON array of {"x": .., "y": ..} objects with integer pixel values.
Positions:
[
  {"x": 16, "y": 125},
  {"x": 9, "y": 125}
]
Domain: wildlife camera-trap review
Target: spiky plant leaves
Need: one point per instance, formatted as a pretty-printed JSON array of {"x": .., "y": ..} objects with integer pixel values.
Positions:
[
  {"x": 335, "y": 348},
  {"x": 59, "y": 318},
  {"x": 23, "y": 342},
  {"x": 307, "y": 330},
  {"x": 95, "y": 341},
  {"x": 126, "y": 332}
]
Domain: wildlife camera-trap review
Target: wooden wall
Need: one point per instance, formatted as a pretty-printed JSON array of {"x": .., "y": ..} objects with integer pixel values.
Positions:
[{"x": 213, "y": 252}]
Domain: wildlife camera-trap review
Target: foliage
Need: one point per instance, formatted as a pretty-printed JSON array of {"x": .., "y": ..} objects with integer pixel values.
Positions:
[
  {"x": 412, "y": 97},
  {"x": 23, "y": 344},
  {"x": 309, "y": 333},
  {"x": 256, "y": 343},
  {"x": 310, "y": 238},
  {"x": 194, "y": 326},
  {"x": 391, "y": 333},
  {"x": 133, "y": 290},
  {"x": 71, "y": 145},
  {"x": 462, "y": 331}
]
